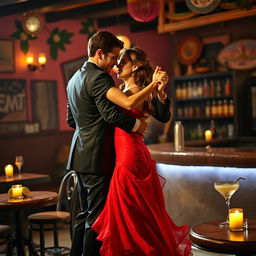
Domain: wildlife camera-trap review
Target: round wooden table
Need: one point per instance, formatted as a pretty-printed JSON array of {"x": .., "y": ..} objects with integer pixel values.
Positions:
[
  {"x": 35, "y": 199},
  {"x": 209, "y": 236}
]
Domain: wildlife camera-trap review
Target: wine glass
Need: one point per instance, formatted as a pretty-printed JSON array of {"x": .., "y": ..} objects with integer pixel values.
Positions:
[
  {"x": 19, "y": 161},
  {"x": 226, "y": 189}
]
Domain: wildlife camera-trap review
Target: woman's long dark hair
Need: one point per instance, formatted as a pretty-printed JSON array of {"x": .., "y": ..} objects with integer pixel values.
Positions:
[{"x": 143, "y": 74}]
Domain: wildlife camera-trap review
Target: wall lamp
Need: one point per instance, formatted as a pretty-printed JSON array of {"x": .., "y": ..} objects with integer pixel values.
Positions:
[{"x": 41, "y": 62}]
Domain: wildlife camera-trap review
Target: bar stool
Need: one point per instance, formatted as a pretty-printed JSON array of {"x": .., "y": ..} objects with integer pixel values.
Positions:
[
  {"x": 5, "y": 239},
  {"x": 64, "y": 215}
]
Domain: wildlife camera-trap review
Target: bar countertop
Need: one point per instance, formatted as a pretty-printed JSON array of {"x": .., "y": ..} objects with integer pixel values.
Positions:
[{"x": 213, "y": 156}]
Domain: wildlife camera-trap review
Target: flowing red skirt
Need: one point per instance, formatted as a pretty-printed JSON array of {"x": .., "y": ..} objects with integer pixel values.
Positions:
[{"x": 134, "y": 220}]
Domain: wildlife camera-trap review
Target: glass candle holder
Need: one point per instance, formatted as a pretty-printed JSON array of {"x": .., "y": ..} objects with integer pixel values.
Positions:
[
  {"x": 17, "y": 191},
  {"x": 236, "y": 219},
  {"x": 8, "y": 170}
]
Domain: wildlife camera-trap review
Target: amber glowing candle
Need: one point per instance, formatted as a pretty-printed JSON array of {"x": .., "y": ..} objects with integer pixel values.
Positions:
[
  {"x": 8, "y": 170},
  {"x": 236, "y": 219},
  {"x": 208, "y": 135},
  {"x": 17, "y": 191}
]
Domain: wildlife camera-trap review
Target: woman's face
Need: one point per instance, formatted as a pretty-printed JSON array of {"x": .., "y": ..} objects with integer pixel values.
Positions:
[{"x": 125, "y": 67}]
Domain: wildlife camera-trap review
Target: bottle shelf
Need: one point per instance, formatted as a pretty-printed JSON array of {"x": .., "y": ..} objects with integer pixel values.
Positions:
[{"x": 205, "y": 101}]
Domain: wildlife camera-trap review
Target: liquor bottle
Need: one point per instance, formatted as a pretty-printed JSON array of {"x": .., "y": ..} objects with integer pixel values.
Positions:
[
  {"x": 225, "y": 108},
  {"x": 200, "y": 90},
  {"x": 219, "y": 108},
  {"x": 227, "y": 87},
  {"x": 178, "y": 92},
  {"x": 231, "y": 108},
  {"x": 206, "y": 89},
  {"x": 213, "y": 108},
  {"x": 178, "y": 136},
  {"x": 213, "y": 129},
  {"x": 194, "y": 90},
  {"x": 184, "y": 91},
  {"x": 200, "y": 132},
  {"x": 190, "y": 90},
  {"x": 212, "y": 89},
  {"x": 218, "y": 91},
  {"x": 208, "y": 109}
]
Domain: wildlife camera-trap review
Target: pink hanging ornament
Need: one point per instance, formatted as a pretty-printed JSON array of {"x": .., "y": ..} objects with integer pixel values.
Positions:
[{"x": 143, "y": 10}]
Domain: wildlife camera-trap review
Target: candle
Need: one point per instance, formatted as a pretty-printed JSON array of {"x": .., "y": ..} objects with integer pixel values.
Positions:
[
  {"x": 17, "y": 191},
  {"x": 236, "y": 220},
  {"x": 208, "y": 135},
  {"x": 8, "y": 170}
]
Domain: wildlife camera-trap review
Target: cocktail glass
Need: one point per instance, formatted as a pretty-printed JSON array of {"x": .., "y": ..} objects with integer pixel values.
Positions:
[{"x": 226, "y": 189}]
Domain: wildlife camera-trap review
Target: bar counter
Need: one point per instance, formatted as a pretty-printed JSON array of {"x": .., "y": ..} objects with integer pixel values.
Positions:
[
  {"x": 204, "y": 156},
  {"x": 189, "y": 192}
]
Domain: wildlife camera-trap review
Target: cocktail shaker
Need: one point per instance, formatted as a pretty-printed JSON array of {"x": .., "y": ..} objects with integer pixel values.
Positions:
[{"x": 178, "y": 136}]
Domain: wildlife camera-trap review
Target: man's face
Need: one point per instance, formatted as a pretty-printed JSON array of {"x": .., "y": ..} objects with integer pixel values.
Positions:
[{"x": 110, "y": 59}]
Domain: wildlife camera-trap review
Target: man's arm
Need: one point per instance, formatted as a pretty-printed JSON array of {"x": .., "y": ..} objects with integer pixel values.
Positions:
[{"x": 70, "y": 119}]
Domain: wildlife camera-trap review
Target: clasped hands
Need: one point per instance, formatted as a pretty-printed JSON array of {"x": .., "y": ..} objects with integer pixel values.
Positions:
[{"x": 161, "y": 78}]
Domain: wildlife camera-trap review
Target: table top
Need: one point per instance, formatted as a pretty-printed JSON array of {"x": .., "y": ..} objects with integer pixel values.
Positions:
[
  {"x": 35, "y": 198},
  {"x": 24, "y": 179},
  {"x": 211, "y": 237}
]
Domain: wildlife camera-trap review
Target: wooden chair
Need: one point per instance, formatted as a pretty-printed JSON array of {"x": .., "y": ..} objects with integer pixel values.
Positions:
[
  {"x": 66, "y": 209},
  {"x": 5, "y": 234}
]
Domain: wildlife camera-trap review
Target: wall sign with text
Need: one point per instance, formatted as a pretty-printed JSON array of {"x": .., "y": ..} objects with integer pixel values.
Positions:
[{"x": 13, "y": 101}]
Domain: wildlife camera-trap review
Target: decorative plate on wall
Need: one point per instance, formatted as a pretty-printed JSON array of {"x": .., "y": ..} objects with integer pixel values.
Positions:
[
  {"x": 202, "y": 6},
  {"x": 239, "y": 55},
  {"x": 189, "y": 50}
]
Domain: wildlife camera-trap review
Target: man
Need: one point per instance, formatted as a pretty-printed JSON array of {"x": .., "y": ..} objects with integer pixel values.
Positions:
[{"x": 92, "y": 148}]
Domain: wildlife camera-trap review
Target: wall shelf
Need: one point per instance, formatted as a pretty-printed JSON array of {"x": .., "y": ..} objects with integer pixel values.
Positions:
[{"x": 164, "y": 26}]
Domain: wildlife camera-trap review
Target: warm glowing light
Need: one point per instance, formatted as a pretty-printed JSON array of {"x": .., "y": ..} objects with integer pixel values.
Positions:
[
  {"x": 236, "y": 220},
  {"x": 208, "y": 135},
  {"x": 17, "y": 191},
  {"x": 126, "y": 40},
  {"x": 30, "y": 58},
  {"x": 42, "y": 59},
  {"x": 8, "y": 170}
]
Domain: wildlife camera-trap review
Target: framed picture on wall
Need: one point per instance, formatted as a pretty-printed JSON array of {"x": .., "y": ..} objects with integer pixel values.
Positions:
[
  {"x": 70, "y": 67},
  {"x": 211, "y": 47},
  {"x": 13, "y": 100},
  {"x": 44, "y": 100},
  {"x": 7, "y": 58}
]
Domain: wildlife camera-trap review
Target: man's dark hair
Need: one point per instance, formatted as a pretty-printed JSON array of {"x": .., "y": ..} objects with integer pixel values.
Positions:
[{"x": 103, "y": 40}]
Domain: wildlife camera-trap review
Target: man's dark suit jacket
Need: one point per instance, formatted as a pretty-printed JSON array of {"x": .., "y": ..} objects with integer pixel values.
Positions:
[{"x": 94, "y": 118}]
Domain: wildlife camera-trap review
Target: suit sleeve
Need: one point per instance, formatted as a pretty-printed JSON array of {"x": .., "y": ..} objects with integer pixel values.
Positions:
[
  {"x": 162, "y": 110},
  {"x": 109, "y": 110},
  {"x": 70, "y": 119}
]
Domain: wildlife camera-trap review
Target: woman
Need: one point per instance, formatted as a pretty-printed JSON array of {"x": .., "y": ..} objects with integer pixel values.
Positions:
[{"x": 134, "y": 220}]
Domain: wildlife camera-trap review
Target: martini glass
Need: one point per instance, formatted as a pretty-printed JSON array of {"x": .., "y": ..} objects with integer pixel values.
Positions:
[{"x": 226, "y": 189}]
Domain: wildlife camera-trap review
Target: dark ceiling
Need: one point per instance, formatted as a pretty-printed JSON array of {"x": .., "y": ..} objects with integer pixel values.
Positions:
[{"x": 105, "y": 12}]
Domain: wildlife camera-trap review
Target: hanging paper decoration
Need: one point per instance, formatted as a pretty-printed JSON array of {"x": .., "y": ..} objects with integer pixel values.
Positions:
[
  {"x": 143, "y": 10},
  {"x": 88, "y": 28},
  {"x": 57, "y": 41},
  {"x": 22, "y": 36}
]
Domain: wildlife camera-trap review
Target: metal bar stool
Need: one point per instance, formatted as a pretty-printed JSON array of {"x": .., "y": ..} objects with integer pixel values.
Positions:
[{"x": 55, "y": 220}]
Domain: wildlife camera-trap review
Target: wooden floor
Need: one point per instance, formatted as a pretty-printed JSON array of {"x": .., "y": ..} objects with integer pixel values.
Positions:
[{"x": 65, "y": 241}]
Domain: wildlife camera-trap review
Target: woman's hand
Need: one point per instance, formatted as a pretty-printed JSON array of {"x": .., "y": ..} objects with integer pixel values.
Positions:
[
  {"x": 163, "y": 80},
  {"x": 160, "y": 77}
]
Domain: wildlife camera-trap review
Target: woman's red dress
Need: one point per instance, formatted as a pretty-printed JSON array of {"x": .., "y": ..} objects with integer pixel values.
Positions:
[{"x": 134, "y": 220}]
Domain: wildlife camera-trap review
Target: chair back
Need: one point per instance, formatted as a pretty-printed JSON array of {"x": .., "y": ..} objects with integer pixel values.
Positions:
[{"x": 68, "y": 197}]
